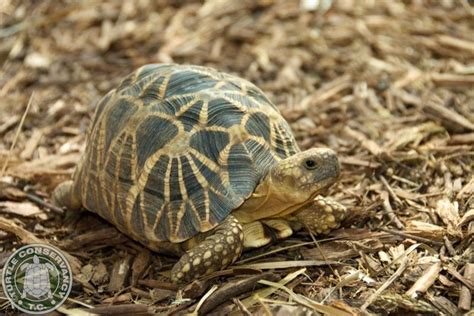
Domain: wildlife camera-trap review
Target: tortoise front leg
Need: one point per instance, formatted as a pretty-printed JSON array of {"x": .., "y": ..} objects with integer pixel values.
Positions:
[
  {"x": 262, "y": 232},
  {"x": 321, "y": 216},
  {"x": 222, "y": 247}
]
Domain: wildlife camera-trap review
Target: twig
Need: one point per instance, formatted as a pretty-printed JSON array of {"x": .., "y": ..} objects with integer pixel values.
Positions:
[
  {"x": 417, "y": 238},
  {"x": 442, "y": 109},
  {"x": 272, "y": 252},
  {"x": 241, "y": 307},
  {"x": 468, "y": 283},
  {"x": 387, "y": 283},
  {"x": 204, "y": 299},
  {"x": 36, "y": 199},
  {"x": 234, "y": 289},
  {"x": 389, "y": 211},
  {"x": 426, "y": 280},
  {"x": 449, "y": 246},
  {"x": 158, "y": 284},
  {"x": 289, "y": 264},
  {"x": 254, "y": 299},
  {"x": 18, "y": 130},
  {"x": 390, "y": 190},
  {"x": 125, "y": 309}
]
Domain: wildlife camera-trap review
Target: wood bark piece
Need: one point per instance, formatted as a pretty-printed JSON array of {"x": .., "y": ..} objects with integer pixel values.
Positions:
[
  {"x": 140, "y": 264},
  {"x": 124, "y": 309},
  {"x": 92, "y": 237},
  {"x": 426, "y": 280},
  {"x": 465, "y": 296},
  {"x": 120, "y": 273}
]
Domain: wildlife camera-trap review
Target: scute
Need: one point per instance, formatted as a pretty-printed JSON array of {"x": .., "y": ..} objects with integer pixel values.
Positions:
[
  {"x": 210, "y": 143},
  {"x": 259, "y": 125},
  {"x": 243, "y": 175},
  {"x": 175, "y": 149},
  {"x": 223, "y": 113},
  {"x": 152, "y": 135},
  {"x": 188, "y": 81},
  {"x": 117, "y": 119}
]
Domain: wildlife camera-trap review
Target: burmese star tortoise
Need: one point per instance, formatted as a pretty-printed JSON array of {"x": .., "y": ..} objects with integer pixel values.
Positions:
[{"x": 194, "y": 162}]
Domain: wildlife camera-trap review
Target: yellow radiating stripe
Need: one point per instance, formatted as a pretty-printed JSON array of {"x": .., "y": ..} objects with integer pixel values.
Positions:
[
  {"x": 184, "y": 195},
  {"x": 166, "y": 194},
  {"x": 245, "y": 119},
  {"x": 128, "y": 128},
  {"x": 223, "y": 162},
  {"x": 204, "y": 185},
  {"x": 184, "y": 189},
  {"x": 164, "y": 85},
  {"x": 219, "y": 84},
  {"x": 206, "y": 161},
  {"x": 116, "y": 181},
  {"x": 197, "y": 173},
  {"x": 101, "y": 171},
  {"x": 273, "y": 136},
  {"x": 142, "y": 180},
  {"x": 182, "y": 96},
  {"x": 217, "y": 192},
  {"x": 158, "y": 215},
  {"x": 214, "y": 128},
  {"x": 203, "y": 115},
  {"x": 205, "y": 223},
  {"x": 284, "y": 140},
  {"x": 186, "y": 107},
  {"x": 236, "y": 103},
  {"x": 203, "y": 72}
]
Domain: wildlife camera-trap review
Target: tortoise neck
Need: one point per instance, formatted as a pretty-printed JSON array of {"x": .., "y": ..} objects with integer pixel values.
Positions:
[{"x": 267, "y": 201}]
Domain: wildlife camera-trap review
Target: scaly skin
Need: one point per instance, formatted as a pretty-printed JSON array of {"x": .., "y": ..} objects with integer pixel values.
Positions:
[
  {"x": 217, "y": 251},
  {"x": 321, "y": 216}
]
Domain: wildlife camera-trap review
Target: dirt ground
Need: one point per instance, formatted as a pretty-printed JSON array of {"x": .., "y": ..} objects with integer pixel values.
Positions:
[{"x": 389, "y": 85}]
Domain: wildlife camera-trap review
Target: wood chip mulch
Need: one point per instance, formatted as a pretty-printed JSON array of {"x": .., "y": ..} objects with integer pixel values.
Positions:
[{"x": 387, "y": 84}]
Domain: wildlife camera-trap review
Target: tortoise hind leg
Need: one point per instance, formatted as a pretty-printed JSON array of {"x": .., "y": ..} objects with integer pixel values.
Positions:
[
  {"x": 63, "y": 196},
  {"x": 220, "y": 248}
]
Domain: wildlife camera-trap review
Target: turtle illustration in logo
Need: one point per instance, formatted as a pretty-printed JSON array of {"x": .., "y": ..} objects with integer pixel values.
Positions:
[
  {"x": 36, "y": 278},
  {"x": 37, "y": 282}
]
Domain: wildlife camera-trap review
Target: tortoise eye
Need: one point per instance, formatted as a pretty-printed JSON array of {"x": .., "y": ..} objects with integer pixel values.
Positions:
[{"x": 310, "y": 164}]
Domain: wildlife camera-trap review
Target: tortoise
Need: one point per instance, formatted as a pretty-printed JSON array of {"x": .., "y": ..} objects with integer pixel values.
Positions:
[
  {"x": 37, "y": 282},
  {"x": 194, "y": 162}
]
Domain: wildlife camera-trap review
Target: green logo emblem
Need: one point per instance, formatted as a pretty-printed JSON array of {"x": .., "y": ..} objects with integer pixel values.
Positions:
[{"x": 37, "y": 279}]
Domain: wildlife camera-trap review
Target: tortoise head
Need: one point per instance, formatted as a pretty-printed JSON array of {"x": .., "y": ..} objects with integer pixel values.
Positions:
[
  {"x": 299, "y": 178},
  {"x": 291, "y": 184}
]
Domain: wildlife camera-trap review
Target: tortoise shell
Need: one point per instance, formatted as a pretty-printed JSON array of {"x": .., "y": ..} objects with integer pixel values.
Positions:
[{"x": 175, "y": 148}]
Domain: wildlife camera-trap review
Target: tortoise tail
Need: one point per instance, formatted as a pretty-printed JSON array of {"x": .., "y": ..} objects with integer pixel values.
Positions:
[{"x": 63, "y": 196}]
